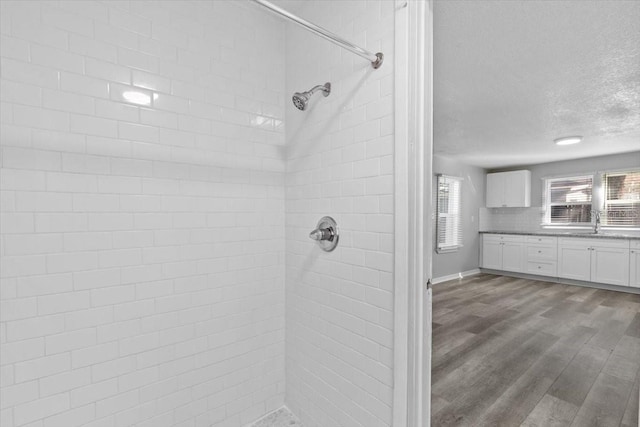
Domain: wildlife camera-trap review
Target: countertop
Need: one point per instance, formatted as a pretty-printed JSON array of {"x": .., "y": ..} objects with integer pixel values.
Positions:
[{"x": 601, "y": 235}]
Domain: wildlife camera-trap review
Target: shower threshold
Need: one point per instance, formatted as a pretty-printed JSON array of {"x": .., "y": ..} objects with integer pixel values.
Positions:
[{"x": 281, "y": 417}]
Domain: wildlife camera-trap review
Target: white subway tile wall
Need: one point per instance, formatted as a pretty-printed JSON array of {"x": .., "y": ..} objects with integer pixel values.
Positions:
[
  {"x": 510, "y": 219},
  {"x": 143, "y": 206},
  {"x": 340, "y": 163}
]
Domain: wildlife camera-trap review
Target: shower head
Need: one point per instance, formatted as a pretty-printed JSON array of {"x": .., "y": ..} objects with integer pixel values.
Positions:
[{"x": 301, "y": 100}]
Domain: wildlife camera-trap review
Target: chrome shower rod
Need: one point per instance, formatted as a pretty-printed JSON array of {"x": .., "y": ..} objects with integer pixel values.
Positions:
[{"x": 375, "y": 58}]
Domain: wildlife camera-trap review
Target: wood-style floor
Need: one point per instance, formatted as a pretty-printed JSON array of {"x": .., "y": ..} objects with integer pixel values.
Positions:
[{"x": 519, "y": 352}]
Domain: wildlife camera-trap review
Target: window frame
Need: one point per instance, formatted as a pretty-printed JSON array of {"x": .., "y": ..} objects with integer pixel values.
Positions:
[
  {"x": 456, "y": 233},
  {"x": 598, "y": 200},
  {"x": 546, "y": 197},
  {"x": 603, "y": 202}
]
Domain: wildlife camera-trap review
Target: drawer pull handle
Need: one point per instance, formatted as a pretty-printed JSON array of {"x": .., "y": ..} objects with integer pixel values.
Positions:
[{"x": 539, "y": 252}]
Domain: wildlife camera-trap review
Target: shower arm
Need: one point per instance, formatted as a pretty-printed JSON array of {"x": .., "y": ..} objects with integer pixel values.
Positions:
[
  {"x": 323, "y": 88},
  {"x": 376, "y": 59}
]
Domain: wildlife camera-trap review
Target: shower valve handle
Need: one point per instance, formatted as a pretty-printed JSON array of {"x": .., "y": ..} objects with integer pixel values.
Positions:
[
  {"x": 322, "y": 234},
  {"x": 326, "y": 234}
]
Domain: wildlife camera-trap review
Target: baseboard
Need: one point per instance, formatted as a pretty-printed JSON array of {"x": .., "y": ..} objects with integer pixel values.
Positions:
[
  {"x": 455, "y": 276},
  {"x": 560, "y": 280}
]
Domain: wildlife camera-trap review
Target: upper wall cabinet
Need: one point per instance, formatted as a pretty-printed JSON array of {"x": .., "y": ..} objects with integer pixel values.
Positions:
[{"x": 509, "y": 189}]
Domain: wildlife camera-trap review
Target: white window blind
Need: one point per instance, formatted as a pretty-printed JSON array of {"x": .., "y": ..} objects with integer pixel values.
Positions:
[
  {"x": 621, "y": 199},
  {"x": 568, "y": 200},
  {"x": 448, "y": 218}
]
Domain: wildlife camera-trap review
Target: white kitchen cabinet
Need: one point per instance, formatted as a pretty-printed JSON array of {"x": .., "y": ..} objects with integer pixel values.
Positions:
[
  {"x": 495, "y": 190},
  {"x": 634, "y": 264},
  {"x": 502, "y": 252},
  {"x": 512, "y": 256},
  {"x": 509, "y": 189},
  {"x": 574, "y": 260},
  {"x": 541, "y": 255},
  {"x": 598, "y": 260},
  {"x": 492, "y": 254},
  {"x": 594, "y": 260},
  {"x": 610, "y": 265}
]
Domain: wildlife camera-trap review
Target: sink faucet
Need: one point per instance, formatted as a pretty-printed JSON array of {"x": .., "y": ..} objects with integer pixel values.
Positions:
[{"x": 596, "y": 226}]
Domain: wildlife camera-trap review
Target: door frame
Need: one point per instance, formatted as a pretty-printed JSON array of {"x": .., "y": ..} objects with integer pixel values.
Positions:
[{"x": 413, "y": 212}]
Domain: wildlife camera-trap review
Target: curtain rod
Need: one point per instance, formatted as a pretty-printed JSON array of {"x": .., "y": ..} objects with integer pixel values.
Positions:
[{"x": 375, "y": 58}]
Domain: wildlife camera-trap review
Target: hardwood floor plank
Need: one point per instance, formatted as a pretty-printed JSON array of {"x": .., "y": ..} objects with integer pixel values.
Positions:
[
  {"x": 473, "y": 351},
  {"x": 454, "y": 341},
  {"x": 634, "y": 327},
  {"x": 630, "y": 417},
  {"x": 491, "y": 382},
  {"x": 628, "y": 347},
  {"x": 551, "y": 412},
  {"x": 576, "y": 380},
  {"x": 622, "y": 367},
  {"x": 510, "y": 351},
  {"x": 605, "y": 404},
  {"x": 487, "y": 322},
  {"x": 520, "y": 399}
]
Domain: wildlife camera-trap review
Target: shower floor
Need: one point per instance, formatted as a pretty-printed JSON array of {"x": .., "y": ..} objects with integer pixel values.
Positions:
[{"x": 282, "y": 417}]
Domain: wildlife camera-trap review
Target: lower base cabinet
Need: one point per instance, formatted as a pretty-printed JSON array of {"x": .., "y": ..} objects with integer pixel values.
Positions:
[
  {"x": 574, "y": 262},
  {"x": 503, "y": 252},
  {"x": 598, "y": 260},
  {"x": 594, "y": 260}
]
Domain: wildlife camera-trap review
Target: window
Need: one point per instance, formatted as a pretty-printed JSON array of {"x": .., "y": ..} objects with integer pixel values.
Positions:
[
  {"x": 621, "y": 199},
  {"x": 448, "y": 227},
  {"x": 568, "y": 200}
]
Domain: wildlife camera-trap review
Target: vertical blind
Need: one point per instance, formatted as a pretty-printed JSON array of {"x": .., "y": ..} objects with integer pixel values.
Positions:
[
  {"x": 621, "y": 199},
  {"x": 568, "y": 200},
  {"x": 448, "y": 215}
]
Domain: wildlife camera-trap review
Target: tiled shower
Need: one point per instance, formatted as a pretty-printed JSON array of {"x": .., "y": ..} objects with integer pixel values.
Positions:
[{"x": 158, "y": 188}]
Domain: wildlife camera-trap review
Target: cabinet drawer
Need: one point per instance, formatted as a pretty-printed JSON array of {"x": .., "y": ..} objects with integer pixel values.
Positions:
[
  {"x": 503, "y": 238},
  {"x": 542, "y": 252},
  {"x": 542, "y": 268},
  {"x": 635, "y": 244},
  {"x": 542, "y": 240}
]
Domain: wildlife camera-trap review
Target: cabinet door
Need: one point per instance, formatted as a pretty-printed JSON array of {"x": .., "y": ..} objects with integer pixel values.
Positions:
[
  {"x": 634, "y": 268},
  {"x": 610, "y": 265},
  {"x": 492, "y": 255},
  {"x": 516, "y": 189},
  {"x": 574, "y": 262},
  {"x": 512, "y": 256},
  {"x": 495, "y": 190}
]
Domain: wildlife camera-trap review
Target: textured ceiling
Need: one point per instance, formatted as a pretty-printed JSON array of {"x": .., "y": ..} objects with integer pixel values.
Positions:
[{"x": 511, "y": 76}]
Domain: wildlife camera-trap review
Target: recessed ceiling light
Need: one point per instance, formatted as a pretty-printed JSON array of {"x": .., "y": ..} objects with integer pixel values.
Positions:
[{"x": 568, "y": 140}]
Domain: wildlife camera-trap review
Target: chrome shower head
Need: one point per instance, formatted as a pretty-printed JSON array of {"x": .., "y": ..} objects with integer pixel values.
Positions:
[{"x": 301, "y": 100}]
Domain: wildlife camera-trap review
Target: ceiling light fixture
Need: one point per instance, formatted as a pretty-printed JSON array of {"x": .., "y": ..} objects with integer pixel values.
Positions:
[{"x": 568, "y": 140}]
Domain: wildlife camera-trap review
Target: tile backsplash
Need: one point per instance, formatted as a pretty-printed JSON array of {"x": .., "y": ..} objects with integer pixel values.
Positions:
[{"x": 511, "y": 219}]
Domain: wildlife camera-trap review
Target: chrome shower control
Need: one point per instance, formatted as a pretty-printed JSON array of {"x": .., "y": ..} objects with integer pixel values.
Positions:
[{"x": 326, "y": 234}]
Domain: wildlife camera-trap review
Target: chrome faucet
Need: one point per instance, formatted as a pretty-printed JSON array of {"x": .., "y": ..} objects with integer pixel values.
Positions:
[{"x": 596, "y": 226}]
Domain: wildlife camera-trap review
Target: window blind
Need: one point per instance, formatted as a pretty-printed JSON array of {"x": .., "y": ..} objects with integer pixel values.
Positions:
[
  {"x": 448, "y": 213},
  {"x": 621, "y": 199},
  {"x": 568, "y": 200}
]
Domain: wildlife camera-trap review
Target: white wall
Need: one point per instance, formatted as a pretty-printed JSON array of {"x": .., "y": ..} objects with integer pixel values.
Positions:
[
  {"x": 142, "y": 247},
  {"x": 340, "y": 163},
  {"x": 513, "y": 219},
  {"x": 578, "y": 166},
  {"x": 472, "y": 199}
]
